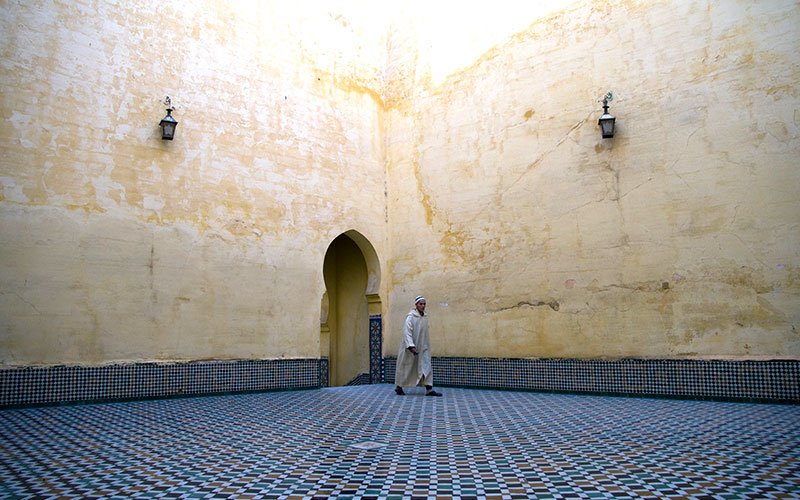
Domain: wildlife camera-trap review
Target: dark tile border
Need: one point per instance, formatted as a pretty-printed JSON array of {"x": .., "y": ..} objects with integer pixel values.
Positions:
[
  {"x": 755, "y": 381},
  {"x": 375, "y": 349},
  {"x": 324, "y": 372},
  {"x": 775, "y": 381},
  {"x": 360, "y": 379},
  {"x": 60, "y": 384}
]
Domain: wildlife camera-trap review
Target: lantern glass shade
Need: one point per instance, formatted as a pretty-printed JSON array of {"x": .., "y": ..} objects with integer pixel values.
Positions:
[
  {"x": 168, "y": 124},
  {"x": 606, "y": 123}
]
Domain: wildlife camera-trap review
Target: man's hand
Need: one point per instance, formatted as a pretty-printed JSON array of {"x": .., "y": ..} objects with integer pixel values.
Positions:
[{"x": 413, "y": 350}]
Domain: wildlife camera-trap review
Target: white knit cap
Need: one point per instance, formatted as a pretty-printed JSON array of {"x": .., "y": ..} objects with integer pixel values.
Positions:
[{"x": 418, "y": 299}]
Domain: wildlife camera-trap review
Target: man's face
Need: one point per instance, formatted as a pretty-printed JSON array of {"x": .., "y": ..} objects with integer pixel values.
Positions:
[{"x": 421, "y": 306}]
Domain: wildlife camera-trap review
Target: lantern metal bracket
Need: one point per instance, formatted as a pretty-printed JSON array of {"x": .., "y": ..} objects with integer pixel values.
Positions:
[
  {"x": 168, "y": 123},
  {"x": 606, "y": 122}
]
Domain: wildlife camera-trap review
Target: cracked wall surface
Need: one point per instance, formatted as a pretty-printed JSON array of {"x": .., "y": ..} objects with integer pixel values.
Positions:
[
  {"x": 118, "y": 246},
  {"x": 459, "y": 140},
  {"x": 676, "y": 238}
]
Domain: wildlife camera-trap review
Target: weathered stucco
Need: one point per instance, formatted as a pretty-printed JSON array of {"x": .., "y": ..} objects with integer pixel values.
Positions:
[
  {"x": 532, "y": 236},
  {"x": 460, "y": 142},
  {"x": 120, "y": 246}
]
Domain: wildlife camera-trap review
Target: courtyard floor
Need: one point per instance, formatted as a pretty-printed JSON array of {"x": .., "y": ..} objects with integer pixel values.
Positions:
[{"x": 366, "y": 442}]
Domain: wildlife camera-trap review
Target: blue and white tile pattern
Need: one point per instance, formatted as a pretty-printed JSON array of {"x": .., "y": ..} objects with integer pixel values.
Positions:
[{"x": 468, "y": 444}]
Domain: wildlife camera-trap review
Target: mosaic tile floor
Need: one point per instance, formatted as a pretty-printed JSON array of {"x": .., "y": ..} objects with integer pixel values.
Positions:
[{"x": 468, "y": 444}]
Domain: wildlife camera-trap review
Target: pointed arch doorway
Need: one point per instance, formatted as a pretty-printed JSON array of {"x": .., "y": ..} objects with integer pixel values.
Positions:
[{"x": 350, "y": 317}]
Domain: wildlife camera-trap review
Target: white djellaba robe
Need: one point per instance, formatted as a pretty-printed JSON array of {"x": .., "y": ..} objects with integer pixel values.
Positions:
[{"x": 413, "y": 370}]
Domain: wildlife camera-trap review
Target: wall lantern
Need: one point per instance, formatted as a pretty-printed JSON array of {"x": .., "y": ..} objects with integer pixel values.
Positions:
[
  {"x": 606, "y": 121},
  {"x": 168, "y": 123}
]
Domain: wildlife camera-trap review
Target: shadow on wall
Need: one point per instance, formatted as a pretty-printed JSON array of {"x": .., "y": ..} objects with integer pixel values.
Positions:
[{"x": 350, "y": 276}]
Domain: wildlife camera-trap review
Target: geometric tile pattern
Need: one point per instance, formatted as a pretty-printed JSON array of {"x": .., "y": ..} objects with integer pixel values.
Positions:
[
  {"x": 375, "y": 349},
  {"x": 324, "y": 369},
  {"x": 360, "y": 379},
  {"x": 471, "y": 443},
  {"x": 765, "y": 381},
  {"x": 756, "y": 381},
  {"x": 37, "y": 385}
]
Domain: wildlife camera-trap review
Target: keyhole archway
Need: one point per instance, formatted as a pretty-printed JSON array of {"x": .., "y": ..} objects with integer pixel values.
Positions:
[{"x": 350, "y": 317}]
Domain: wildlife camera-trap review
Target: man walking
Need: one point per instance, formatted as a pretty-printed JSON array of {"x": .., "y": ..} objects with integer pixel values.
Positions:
[{"x": 414, "y": 358}]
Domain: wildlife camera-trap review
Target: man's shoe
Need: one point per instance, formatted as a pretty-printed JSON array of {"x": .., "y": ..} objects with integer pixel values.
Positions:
[
  {"x": 399, "y": 391},
  {"x": 433, "y": 393}
]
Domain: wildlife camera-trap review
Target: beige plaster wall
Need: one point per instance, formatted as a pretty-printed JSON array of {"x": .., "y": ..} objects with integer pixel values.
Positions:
[
  {"x": 458, "y": 139},
  {"x": 531, "y": 236},
  {"x": 120, "y": 246}
]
